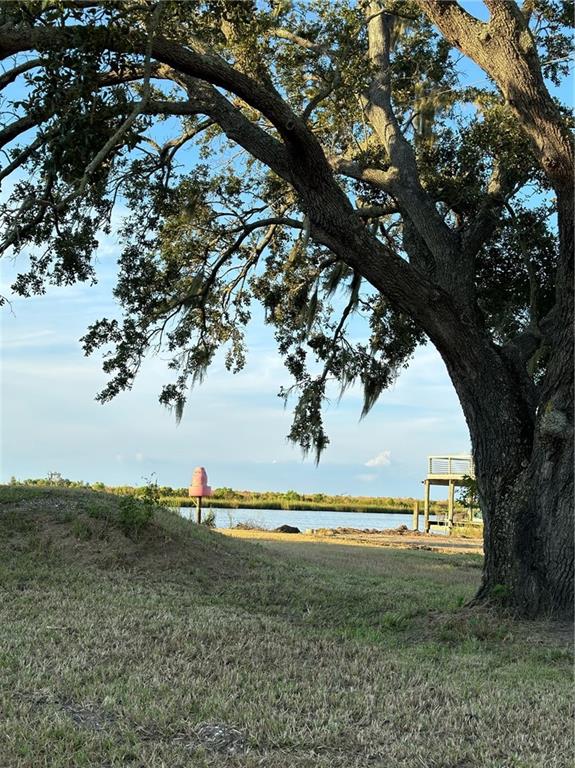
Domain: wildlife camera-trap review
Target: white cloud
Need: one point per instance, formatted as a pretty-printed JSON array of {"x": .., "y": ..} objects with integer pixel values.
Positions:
[
  {"x": 382, "y": 459},
  {"x": 139, "y": 456}
]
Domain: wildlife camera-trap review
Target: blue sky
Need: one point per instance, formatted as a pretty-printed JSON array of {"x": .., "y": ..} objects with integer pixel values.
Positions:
[{"x": 235, "y": 426}]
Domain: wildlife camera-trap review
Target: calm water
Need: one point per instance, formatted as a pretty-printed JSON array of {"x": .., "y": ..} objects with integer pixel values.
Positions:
[{"x": 273, "y": 518}]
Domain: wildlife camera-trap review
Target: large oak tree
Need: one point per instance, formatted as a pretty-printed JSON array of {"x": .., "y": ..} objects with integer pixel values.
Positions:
[{"x": 295, "y": 153}]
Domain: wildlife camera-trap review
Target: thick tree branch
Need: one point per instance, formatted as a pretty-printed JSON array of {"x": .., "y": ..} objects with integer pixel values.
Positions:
[
  {"x": 246, "y": 229},
  {"x": 376, "y": 211},
  {"x": 22, "y": 157},
  {"x": 16, "y": 128},
  {"x": 403, "y": 181},
  {"x": 354, "y": 170},
  {"x": 237, "y": 127},
  {"x": 506, "y": 50},
  {"x": 11, "y": 74}
]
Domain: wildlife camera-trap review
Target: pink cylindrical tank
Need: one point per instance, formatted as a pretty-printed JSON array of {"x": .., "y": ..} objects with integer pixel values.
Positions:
[{"x": 199, "y": 485}]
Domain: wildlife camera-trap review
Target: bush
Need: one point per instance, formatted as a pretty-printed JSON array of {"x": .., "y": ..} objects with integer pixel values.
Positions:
[
  {"x": 134, "y": 515},
  {"x": 209, "y": 519}
]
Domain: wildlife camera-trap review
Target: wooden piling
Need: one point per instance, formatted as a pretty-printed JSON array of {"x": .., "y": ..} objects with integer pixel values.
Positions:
[
  {"x": 415, "y": 523},
  {"x": 450, "y": 504},
  {"x": 426, "y": 507}
]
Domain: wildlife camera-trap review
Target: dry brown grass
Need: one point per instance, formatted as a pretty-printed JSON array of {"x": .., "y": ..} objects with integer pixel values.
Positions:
[{"x": 356, "y": 538}]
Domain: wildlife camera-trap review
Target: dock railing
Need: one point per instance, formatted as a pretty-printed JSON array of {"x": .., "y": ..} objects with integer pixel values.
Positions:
[{"x": 455, "y": 465}]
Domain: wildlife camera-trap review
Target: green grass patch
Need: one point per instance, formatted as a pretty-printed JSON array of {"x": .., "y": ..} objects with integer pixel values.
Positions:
[{"x": 183, "y": 647}]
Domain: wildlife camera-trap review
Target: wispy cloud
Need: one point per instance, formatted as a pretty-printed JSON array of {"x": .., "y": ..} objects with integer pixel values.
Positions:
[
  {"x": 366, "y": 478},
  {"x": 382, "y": 459},
  {"x": 33, "y": 339}
]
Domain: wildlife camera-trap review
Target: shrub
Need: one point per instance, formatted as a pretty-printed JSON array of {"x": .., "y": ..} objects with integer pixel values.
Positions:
[
  {"x": 209, "y": 519},
  {"x": 150, "y": 492},
  {"x": 134, "y": 515}
]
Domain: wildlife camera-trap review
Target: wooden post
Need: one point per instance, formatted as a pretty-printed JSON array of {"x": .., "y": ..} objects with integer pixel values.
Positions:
[
  {"x": 426, "y": 507},
  {"x": 198, "y": 510},
  {"x": 415, "y": 523},
  {"x": 450, "y": 504}
]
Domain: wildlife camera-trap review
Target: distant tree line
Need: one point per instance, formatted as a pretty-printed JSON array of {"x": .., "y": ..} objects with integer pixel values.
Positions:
[{"x": 238, "y": 499}]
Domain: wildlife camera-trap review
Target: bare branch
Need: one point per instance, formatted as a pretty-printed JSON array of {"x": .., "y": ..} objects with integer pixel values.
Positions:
[
  {"x": 321, "y": 95},
  {"x": 271, "y": 221},
  {"x": 259, "y": 248},
  {"x": 22, "y": 156},
  {"x": 245, "y": 231},
  {"x": 375, "y": 211},
  {"x": 177, "y": 142},
  {"x": 303, "y": 42},
  {"x": 500, "y": 187},
  {"x": 355, "y": 170}
]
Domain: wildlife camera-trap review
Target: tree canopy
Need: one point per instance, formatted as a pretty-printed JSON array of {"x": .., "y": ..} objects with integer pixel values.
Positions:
[{"x": 247, "y": 141}]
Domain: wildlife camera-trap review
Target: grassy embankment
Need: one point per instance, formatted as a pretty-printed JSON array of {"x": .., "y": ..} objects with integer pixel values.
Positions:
[{"x": 187, "y": 648}]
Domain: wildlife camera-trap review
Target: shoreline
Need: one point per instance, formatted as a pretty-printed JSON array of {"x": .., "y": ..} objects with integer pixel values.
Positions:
[
  {"x": 301, "y": 506},
  {"x": 408, "y": 540}
]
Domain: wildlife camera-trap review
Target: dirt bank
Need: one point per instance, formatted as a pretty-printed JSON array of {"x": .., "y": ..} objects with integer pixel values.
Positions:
[{"x": 359, "y": 538}]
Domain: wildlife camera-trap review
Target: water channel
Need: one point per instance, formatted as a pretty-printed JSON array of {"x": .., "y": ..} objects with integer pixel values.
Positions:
[{"x": 304, "y": 519}]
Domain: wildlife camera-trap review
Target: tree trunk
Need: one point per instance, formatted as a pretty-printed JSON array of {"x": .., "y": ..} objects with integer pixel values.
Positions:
[
  {"x": 545, "y": 544},
  {"x": 522, "y": 439},
  {"x": 524, "y": 464},
  {"x": 528, "y": 513}
]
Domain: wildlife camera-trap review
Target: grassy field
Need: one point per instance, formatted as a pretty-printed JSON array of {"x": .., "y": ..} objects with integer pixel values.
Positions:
[{"x": 183, "y": 647}]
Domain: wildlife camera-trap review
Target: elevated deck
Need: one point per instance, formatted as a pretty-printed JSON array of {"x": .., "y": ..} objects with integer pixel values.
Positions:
[
  {"x": 450, "y": 471},
  {"x": 443, "y": 470}
]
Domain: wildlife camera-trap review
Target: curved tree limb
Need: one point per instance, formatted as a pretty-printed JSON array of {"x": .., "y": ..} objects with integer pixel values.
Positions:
[
  {"x": 11, "y": 74},
  {"x": 403, "y": 178},
  {"x": 504, "y": 47}
]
